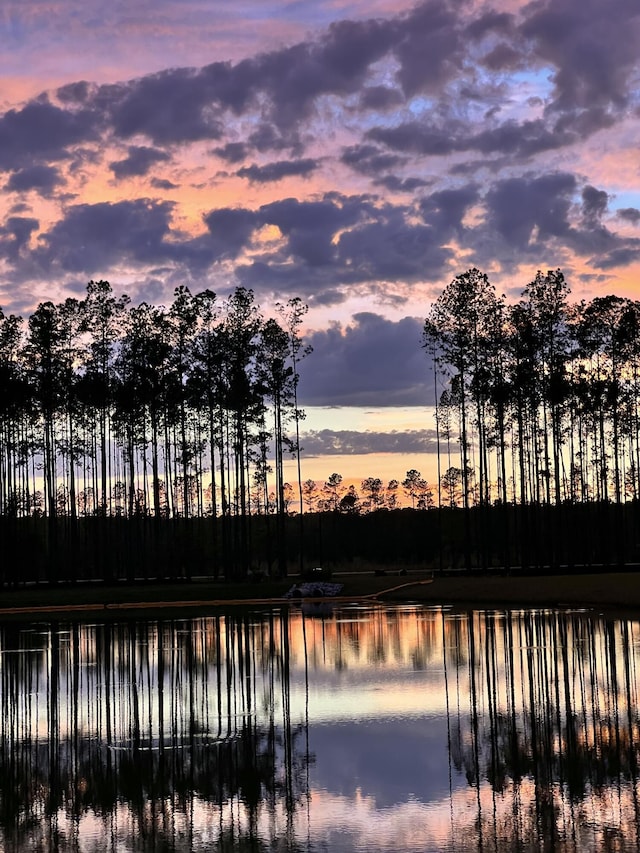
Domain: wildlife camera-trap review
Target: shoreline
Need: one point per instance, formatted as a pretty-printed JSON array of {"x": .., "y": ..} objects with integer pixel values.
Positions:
[{"x": 614, "y": 590}]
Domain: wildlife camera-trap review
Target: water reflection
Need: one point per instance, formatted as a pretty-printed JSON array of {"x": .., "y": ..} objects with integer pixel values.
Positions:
[
  {"x": 366, "y": 728},
  {"x": 155, "y": 736}
]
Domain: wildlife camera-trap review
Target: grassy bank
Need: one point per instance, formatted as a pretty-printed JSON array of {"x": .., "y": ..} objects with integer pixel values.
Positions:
[{"x": 612, "y": 590}]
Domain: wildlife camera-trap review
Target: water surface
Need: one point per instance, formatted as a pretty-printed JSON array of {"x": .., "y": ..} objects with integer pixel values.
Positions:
[{"x": 377, "y": 728}]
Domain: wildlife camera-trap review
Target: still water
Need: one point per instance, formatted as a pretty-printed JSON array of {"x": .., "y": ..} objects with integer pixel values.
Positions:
[{"x": 378, "y": 728}]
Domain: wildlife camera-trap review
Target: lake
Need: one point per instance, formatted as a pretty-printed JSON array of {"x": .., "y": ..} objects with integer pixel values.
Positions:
[{"x": 337, "y": 728}]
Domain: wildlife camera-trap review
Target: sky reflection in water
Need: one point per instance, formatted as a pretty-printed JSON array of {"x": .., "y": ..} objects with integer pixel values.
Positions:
[{"x": 377, "y": 729}]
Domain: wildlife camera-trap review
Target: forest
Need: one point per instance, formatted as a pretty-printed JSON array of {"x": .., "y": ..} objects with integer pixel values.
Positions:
[
  {"x": 543, "y": 397},
  {"x": 148, "y": 441}
]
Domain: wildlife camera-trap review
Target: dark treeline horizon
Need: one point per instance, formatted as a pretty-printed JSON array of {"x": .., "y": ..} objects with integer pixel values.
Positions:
[
  {"x": 115, "y": 411},
  {"x": 543, "y": 396}
]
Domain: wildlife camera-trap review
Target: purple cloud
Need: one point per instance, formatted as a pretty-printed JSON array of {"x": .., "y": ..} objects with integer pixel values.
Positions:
[
  {"x": 232, "y": 152},
  {"x": 43, "y": 179},
  {"x": 373, "y": 361},
  {"x": 592, "y": 47},
  {"x": 517, "y": 206},
  {"x": 15, "y": 235},
  {"x": 276, "y": 171},
  {"x": 139, "y": 161},
  {"x": 369, "y": 159},
  {"x": 41, "y": 131},
  {"x": 330, "y": 442},
  {"x": 630, "y": 214},
  {"x": 91, "y": 238}
]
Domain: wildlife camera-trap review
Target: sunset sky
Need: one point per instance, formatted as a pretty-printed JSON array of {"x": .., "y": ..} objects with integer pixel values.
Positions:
[{"x": 356, "y": 154}]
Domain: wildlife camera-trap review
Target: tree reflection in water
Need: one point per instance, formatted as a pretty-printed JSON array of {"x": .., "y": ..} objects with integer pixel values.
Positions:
[
  {"x": 550, "y": 744},
  {"x": 200, "y": 734},
  {"x": 152, "y": 736}
]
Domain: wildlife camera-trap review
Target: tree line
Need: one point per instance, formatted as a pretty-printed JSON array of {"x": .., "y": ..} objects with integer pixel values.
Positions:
[
  {"x": 336, "y": 496},
  {"x": 159, "y": 416},
  {"x": 541, "y": 394},
  {"x": 538, "y": 399},
  {"x": 536, "y": 402},
  {"x": 109, "y": 409}
]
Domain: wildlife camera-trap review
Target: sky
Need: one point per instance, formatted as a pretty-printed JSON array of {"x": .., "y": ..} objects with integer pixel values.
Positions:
[{"x": 356, "y": 154}]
